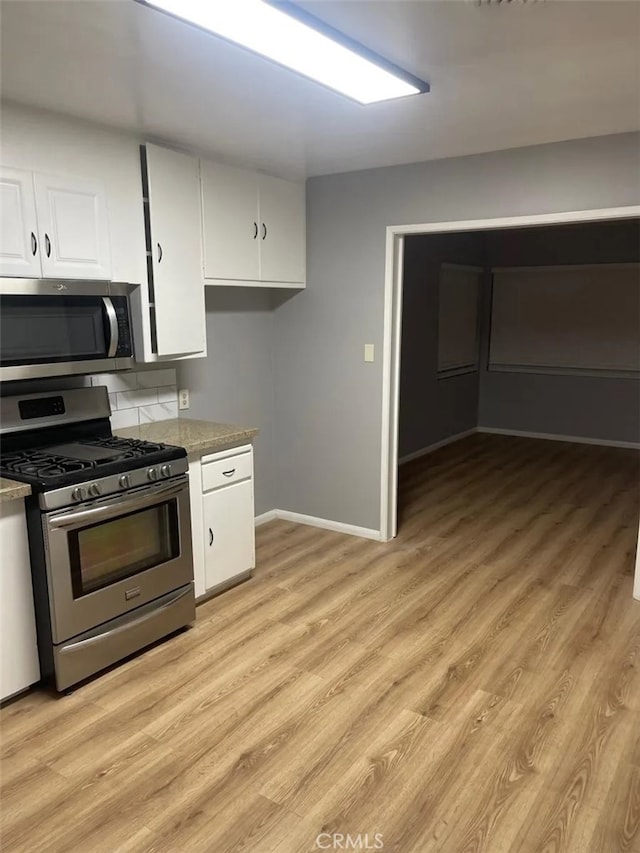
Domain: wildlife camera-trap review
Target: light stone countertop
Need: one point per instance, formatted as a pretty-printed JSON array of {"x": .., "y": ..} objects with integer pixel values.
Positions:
[
  {"x": 11, "y": 490},
  {"x": 195, "y": 436}
]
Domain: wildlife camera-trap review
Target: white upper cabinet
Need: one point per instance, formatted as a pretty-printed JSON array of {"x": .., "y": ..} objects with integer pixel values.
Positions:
[
  {"x": 282, "y": 230},
  {"x": 18, "y": 225},
  {"x": 54, "y": 227},
  {"x": 231, "y": 223},
  {"x": 253, "y": 228},
  {"x": 173, "y": 183},
  {"x": 74, "y": 232}
]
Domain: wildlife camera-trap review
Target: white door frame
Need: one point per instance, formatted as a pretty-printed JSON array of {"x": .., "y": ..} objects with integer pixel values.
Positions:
[{"x": 393, "y": 328}]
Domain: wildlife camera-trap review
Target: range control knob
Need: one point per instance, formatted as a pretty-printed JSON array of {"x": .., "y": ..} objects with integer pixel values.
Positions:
[
  {"x": 152, "y": 474},
  {"x": 95, "y": 490},
  {"x": 124, "y": 481},
  {"x": 79, "y": 494},
  {"x": 166, "y": 470}
]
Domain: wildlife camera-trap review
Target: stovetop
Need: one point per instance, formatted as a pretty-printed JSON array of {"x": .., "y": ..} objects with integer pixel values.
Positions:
[{"x": 57, "y": 465}]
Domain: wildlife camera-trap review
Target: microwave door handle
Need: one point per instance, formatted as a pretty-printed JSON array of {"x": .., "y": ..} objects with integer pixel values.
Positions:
[{"x": 110, "y": 311}]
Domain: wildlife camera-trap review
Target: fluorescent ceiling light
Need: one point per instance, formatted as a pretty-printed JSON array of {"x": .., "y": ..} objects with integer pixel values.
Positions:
[{"x": 289, "y": 41}]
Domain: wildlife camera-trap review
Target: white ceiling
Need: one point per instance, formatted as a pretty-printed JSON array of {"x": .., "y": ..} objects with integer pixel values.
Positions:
[{"x": 502, "y": 76}]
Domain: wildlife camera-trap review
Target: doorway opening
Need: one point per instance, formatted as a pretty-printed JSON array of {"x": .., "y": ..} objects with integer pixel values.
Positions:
[{"x": 398, "y": 249}]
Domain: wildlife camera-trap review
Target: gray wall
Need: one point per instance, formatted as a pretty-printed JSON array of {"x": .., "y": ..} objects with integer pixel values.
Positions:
[
  {"x": 586, "y": 406},
  {"x": 329, "y": 402},
  {"x": 235, "y": 383},
  {"x": 432, "y": 409}
]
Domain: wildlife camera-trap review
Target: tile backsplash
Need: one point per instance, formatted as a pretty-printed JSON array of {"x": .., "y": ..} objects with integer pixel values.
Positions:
[{"x": 139, "y": 397}]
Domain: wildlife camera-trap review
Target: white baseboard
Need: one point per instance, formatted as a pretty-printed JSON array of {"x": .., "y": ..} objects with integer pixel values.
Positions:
[
  {"x": 425, "y": 450},
  {"x": 327, "y": 524},
  {"x": 313, "y": 521},
  {"x": 573, "y": 439}
]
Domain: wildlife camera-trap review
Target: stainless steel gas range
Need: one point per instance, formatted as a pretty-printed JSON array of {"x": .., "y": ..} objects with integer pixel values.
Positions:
[{"x": 109, "y": 531}]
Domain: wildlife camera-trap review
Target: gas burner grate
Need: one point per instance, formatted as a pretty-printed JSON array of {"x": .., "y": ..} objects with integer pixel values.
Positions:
[
  {"x": 39, "y": 463},
  {"x": 130, "y": 447}
]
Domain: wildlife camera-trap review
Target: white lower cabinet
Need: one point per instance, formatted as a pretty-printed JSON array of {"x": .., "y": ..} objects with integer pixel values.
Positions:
[
  {"x": 222, "y": 516},
  {"x": 229, "y": 533},
  {"x": 19, "y": 666}
]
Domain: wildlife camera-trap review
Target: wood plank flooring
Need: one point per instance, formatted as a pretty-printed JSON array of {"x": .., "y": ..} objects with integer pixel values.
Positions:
[{"x": 472, "y": 686}]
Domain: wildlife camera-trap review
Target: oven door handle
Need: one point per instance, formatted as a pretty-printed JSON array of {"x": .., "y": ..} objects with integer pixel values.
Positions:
[
  {"x": 114, "y": 335},
  {"x": 72, "y": 518}
]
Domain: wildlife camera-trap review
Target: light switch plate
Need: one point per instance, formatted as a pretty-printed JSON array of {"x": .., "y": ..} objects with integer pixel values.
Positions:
[
  {"x": 368, "y": 352},
  {"x": 183, "y": 398}
]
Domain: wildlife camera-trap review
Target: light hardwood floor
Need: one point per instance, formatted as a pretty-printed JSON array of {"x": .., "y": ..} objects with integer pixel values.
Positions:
[{"x": 472, "y": 686}]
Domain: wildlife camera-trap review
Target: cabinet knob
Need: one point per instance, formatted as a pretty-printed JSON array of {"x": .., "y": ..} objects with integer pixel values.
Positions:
[
  {"x": 34, "y": 244},
  {"x": 47, "y": 245},
  {"x": 255, "y": 230},
  {"x": 159, "y": 252},
  {"x": 210, "y": 537},
  {"x": 264, "y": 231}
]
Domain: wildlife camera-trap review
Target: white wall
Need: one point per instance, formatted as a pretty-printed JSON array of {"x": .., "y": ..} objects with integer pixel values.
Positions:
[{"x": 139, "y": 397}]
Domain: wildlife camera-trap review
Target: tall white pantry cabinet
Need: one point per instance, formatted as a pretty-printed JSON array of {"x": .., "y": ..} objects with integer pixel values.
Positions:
[{"x": 171, "y": 181}]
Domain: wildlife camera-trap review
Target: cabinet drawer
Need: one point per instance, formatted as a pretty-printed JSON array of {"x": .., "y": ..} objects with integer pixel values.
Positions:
[{"x": 222, "y": 472}]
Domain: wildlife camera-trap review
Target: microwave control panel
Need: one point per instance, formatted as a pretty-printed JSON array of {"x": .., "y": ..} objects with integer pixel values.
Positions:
[{"x": 125, "y": 347}]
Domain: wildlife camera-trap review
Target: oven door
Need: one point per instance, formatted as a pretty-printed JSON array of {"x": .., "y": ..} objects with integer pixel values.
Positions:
[{"x": 110, "y": 556}]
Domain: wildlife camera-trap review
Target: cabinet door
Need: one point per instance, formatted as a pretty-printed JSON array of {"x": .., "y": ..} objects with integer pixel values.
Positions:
[
  {"x": 19, "y": 665},
  {"x": 19, "y": 250},
  {"x": 229, "y": 532},
  {"x": 73, "y": 228},
  {"x": 178, "y": 283},
  {"x": 231, "y": 233},
  {"x": 282, "y": 230}
]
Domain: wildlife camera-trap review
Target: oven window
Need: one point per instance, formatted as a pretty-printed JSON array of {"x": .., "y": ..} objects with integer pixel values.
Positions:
[
  {"x": 42, "y": 329},
  {"x": 119, "y": 548}
]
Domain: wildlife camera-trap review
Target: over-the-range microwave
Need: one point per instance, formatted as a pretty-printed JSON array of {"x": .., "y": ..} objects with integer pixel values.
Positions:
[{"x": 56, "y": 327}]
